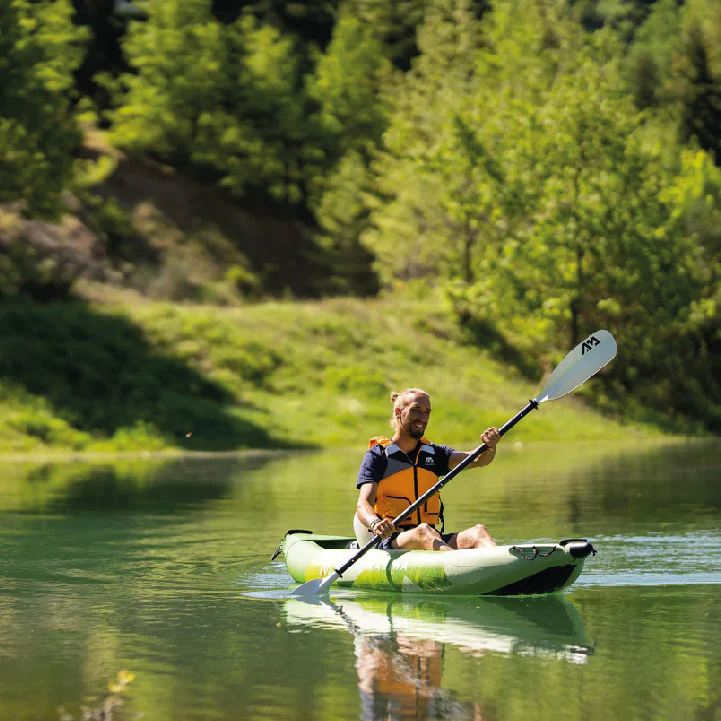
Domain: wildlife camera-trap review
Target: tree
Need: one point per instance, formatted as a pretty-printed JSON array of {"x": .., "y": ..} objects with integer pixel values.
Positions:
[
  {"x": 394, "y": 24},
  {"x": 103, "y": 59},
  {"x": 649, "y": 58},
  {"x": 224, "y": 101},
  {"x": 170, "y": 101},
  {"x": 415, "y": 212},
  {"x": 39, "y": 50},
  {"x": 272, "y": 146},
  {"x": 700, "y": 95},
  {"x": 346, "y": 86},
  {"x": 353, "y": 115},
  {"x": 523, "y": 176}
]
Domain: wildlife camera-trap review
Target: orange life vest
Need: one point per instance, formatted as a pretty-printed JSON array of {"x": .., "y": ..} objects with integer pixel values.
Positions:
[{"x": 404, "y": 481}]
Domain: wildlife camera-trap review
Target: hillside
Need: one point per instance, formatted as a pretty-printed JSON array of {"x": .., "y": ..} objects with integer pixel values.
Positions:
[
  {"x": 146, "y": 376},
  {"x": 161, "y": 350},
  {"x": 144, "y": 227}
]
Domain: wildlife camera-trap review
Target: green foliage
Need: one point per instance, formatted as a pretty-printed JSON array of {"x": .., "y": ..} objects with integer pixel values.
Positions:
[
  {"x": 88, "y": 380},
  {"x": 395, "y": 25},
  {"x": 528, "y": 167},
  {"x": 266, "y": 376},
  {"x": 531, "y": 177},
  {"x": 23, "y": 273},
  {"x": 39, "y": 50},
  {"x": 176, "y": 54},
  {"x": 346, "y": 86},
  {"x": 342, "y": 215},
  {"x": 114, "y": 226},
  {"x": 418, "y": 221},
  {"x": 700, "y": 95},
  {"x": 244, "y": 280},
  {"x": 355, "y": 380},
  {"x": 648, "y": 65},
  {"x": 268, "y": 148},
  {"x": 31, "y": 268},
  {"x": 227, "y": 101},
  {"x": 103, "y": 59}
]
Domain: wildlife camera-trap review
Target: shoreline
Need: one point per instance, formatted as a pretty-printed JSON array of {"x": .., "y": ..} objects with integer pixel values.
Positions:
[{"x": 510, "y": 447}]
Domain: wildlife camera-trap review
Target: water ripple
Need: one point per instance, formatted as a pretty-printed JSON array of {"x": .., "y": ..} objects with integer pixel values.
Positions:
[{"x": 656, "y": 559}]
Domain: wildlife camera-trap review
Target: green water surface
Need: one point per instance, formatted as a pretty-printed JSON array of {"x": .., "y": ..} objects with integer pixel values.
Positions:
[{"x": 161, "y": 568}]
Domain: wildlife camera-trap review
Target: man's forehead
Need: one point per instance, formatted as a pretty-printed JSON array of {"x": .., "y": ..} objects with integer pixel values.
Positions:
[{"x": 420, "y": 399}]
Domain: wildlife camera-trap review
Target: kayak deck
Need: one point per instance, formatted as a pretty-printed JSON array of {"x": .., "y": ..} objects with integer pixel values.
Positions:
[{"x": 501, "y": 570}]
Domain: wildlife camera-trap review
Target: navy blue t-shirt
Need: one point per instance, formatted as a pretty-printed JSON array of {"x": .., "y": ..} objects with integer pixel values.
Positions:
[{"x": 374, "y": 462}]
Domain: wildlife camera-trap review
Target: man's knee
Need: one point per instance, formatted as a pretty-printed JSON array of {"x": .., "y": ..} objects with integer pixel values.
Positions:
[
  {"x": 430, "y": 539},
  {"x": 481, "y": 536},
  {"x": 426, "y": 532}
]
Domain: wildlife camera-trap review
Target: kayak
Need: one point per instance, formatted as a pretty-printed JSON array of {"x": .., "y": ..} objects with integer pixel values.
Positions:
[
  {"x": 528, "y": 568},
  {"x": 545, "y": 625}
]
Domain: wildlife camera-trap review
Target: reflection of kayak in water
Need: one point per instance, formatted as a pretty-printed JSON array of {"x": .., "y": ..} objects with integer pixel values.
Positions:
[
  {"x": 501, "y": 570},
  {"x": 544, "y": 625}
]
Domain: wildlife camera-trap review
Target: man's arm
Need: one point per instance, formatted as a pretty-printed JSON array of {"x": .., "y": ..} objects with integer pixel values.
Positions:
[
  {"x": 366, "y": 514},
  {"x": 490, "y": 437},
  {"x": 364, "y": 507}
]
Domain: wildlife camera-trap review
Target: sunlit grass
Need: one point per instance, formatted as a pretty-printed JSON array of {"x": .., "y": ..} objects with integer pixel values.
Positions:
[{"x": 293, "y": 374}]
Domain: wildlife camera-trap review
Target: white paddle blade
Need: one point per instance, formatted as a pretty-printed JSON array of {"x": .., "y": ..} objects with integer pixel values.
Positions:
[
  {"x": 584, "y": 361},
  {"x": 316, "y": 586}
]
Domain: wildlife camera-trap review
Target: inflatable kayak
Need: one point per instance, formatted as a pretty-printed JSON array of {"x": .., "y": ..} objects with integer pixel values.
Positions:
[{"x": 529, "y": 568}]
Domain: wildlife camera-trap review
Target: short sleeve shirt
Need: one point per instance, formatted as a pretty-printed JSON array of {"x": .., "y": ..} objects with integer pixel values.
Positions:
[{"x": 374, "y": 463}]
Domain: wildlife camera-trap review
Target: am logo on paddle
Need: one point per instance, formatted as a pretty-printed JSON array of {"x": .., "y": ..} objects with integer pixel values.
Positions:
[{"x": 589, "y": 344}]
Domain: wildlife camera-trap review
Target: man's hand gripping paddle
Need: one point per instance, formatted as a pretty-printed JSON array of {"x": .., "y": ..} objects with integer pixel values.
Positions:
[{"x": 583, "y": 362}]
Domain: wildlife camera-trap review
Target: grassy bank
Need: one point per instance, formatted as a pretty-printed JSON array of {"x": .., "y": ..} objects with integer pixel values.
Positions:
[{"x": 139, "y": 376}]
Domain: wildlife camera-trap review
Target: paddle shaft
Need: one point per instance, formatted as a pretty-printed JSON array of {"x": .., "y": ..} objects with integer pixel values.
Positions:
[{"x": 532, "y": 405}]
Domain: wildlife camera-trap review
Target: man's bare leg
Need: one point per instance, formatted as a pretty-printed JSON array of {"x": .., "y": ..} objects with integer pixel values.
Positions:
[
  {"x": 421, "y": 538},
  {"x": 475, "y": 537}
]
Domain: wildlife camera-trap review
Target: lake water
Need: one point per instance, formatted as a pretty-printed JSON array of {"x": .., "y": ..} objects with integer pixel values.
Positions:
[{"x": 161, "y": 568}]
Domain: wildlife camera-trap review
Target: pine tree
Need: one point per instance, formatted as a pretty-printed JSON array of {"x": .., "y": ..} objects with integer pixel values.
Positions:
[
  {"x": 39, "y": 50},
  {"x": 701, "y": 96}
]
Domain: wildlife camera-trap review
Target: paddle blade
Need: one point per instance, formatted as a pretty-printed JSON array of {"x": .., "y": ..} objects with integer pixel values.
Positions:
[
  {"x": 316, "y": 586},
  {"x": 584, "y": 361}
]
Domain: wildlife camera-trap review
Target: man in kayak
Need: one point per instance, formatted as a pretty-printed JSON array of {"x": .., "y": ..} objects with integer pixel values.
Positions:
[{"x": 396, "y": 471}]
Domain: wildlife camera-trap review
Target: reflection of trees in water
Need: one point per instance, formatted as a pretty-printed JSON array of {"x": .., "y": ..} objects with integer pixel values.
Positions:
[
  {"x": 664, "y": 482},
  {"x": 567, "y": 488},
  {"x": 150, "y": 485},
  {"x": 102, "y": 556}
]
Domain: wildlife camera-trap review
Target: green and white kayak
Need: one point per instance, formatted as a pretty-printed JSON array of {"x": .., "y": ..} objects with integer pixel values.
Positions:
[{"x": 528, "y": 568}]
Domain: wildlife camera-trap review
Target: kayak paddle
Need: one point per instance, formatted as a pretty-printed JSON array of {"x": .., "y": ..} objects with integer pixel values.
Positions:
[{"x": 584, "y": 361}]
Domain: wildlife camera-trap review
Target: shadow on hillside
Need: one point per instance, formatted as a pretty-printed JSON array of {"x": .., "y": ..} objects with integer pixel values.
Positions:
[
  {"x": 100, "y": 374},
  {"x": 484, "y": 334}
]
